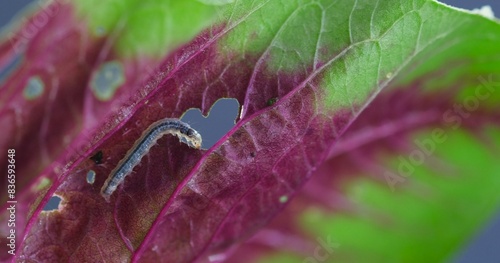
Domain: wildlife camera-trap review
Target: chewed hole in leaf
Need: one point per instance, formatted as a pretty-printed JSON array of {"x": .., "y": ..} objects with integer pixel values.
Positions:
[
  {"x": 53, "y": 204},
  {"x": 107, "y": 79},
  {"x": 219, "y": 120},
  {"x": 91, "y": 176},
  {"x": 34, "y": 88},
  {"x": 97, "y": 157}
]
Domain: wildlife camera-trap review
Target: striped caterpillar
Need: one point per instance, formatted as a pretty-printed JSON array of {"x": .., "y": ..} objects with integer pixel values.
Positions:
[{"x": 143, "y": 145}]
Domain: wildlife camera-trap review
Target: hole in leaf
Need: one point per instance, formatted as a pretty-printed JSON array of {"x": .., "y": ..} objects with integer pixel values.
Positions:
[
  {"x": 107, "y": 79},
  {"x": 97, "y": 158},
  {"x": 221, "y": 119},
  {"x": 91, "y": 176},
  {"x": 34, "y": 88},
  {"x": 53, "y": 203}
]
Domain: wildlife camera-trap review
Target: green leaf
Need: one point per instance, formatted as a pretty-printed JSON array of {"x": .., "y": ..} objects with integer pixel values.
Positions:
[{"x": 150, "y": 28}]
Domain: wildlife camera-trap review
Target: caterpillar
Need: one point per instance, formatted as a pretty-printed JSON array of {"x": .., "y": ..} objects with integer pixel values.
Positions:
[{"x": 142, "y": 146}]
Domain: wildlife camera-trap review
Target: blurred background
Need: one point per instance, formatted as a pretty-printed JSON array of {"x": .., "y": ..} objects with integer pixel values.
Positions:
[{"x": 483, "y": 248}]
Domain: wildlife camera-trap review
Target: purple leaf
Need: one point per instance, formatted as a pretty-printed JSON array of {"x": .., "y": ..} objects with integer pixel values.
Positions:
[{"x": 73, "y": 102}]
